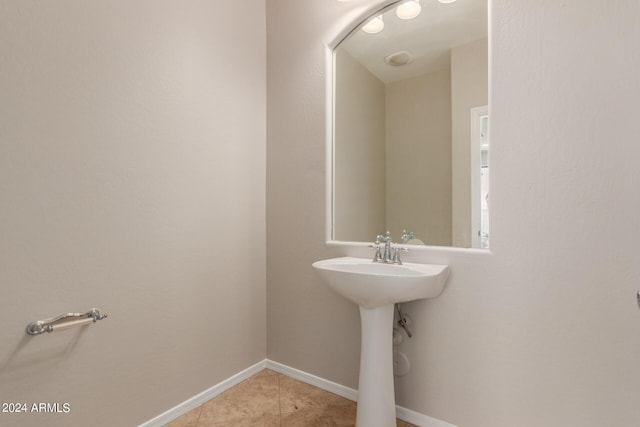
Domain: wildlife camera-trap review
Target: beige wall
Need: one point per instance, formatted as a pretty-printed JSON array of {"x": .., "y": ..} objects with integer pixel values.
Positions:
[
  {"x": 469, "y": 89},
  {"x": 132, "y": 164},
  {"x": 419, "y": 157},
  {"x": 359, "y": 151},
  {"x": 541, "y": 331}
]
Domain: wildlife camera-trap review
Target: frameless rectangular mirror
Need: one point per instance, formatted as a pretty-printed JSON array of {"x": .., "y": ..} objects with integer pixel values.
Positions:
[{"x": 410, "y": 126}]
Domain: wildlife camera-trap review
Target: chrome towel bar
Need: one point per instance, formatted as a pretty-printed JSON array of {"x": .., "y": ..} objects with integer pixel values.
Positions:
[{"x": 64, "y": 321}]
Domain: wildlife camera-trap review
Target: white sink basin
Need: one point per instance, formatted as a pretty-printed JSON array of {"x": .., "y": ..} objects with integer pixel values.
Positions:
[{"x": 371, "y": 284}]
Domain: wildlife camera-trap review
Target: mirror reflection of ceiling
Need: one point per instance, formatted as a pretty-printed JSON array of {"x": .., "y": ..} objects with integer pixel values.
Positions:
[{"x": 428, "y": 38}]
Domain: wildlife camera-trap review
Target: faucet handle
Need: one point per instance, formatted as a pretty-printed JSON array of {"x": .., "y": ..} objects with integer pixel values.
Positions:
[
  {"x": 396, "y": 254},
  {"x": 378, "y": 256}
]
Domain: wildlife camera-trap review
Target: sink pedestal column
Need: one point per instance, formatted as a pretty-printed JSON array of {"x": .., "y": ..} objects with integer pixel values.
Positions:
[{"x": 376, "y": 399}]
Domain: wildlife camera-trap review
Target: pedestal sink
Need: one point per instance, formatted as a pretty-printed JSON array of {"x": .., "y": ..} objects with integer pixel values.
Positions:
[{"x": 376, "y": 287}]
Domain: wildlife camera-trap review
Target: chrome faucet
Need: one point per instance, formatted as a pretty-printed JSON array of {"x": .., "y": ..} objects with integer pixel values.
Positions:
[
  {"x": 407, "y": 236},
  {"x": 386, "y": 257},
  {"x": 387, "y": 246}
]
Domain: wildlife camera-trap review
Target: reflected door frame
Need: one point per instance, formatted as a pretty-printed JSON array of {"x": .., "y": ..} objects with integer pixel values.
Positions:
[{"x": 477, "y": 114}]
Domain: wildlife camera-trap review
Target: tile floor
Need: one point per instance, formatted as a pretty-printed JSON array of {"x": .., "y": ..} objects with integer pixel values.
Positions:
[{"x": 269, "y": 399}]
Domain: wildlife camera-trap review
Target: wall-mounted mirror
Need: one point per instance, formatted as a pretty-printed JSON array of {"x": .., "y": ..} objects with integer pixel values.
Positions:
[{"x": 410, "y": 126}]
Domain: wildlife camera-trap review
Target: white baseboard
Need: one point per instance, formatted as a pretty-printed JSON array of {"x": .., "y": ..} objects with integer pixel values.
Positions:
[
  {"x": 418, "y": 419},
  {"x": 404, "y": 414},
  {"x": 330, "y": 386},
  {"x": 206, "y": 395}
]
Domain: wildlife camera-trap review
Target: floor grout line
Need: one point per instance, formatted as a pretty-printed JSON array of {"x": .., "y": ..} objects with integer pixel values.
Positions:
[{"x": 279, "y": 402}]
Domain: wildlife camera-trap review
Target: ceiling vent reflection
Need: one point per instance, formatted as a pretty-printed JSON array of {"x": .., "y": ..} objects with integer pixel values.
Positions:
[{"x": 399, "y": 59}]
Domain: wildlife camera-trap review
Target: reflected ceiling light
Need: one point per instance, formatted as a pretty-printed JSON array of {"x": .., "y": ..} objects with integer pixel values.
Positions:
[
  {"x": 374, "y": 25},
  {"x": 408, "y": 9},
  {"x": 441, "y": 1}
]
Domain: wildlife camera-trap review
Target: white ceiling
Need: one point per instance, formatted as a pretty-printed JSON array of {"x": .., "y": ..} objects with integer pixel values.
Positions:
[{"x": 428, "y": 37}]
